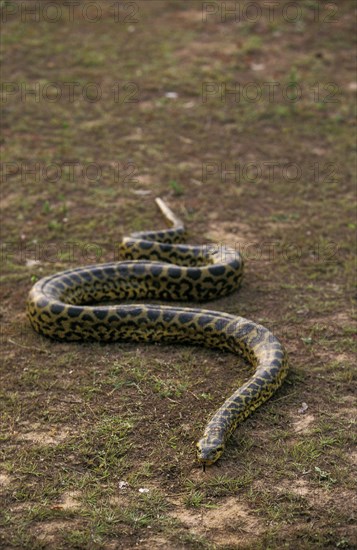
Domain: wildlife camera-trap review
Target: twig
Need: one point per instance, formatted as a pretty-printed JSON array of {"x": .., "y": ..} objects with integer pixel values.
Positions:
[{"x": 28, "y": 347}]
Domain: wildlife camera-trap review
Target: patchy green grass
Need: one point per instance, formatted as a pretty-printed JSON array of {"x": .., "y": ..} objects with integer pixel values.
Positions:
[{"x": 97, "y": 441}]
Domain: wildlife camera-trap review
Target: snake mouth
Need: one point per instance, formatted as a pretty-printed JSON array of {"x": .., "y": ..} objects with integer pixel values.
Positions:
[{"x": 203, "y": 461}]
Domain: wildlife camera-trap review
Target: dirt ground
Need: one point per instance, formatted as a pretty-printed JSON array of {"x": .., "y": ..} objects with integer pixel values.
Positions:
[{"x": 239, "y": 115}]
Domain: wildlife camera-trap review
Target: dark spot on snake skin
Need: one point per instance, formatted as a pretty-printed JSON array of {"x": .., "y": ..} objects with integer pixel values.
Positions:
[
  {"x": 185, "y": 317},
  {"x": 87, "y": 317},
  {"x": 74, "y": 311},
  {"x": 86, "y": 276},
  {"x": 58, "y": 285},
  {"x": 256, "y": 339},
  {"x": 226, "y": 413},
  {"x": 203, "y": 320},
  {"x": 193, "y": 273},
  {"x": 57, "y": 308},
  {"x": 274, "y": 371},
  {"x": 134, "y": 311},
  {"x": 217, "y": 270},
  {"x": 221, "y": 324},
  {"x": 153, "y": 314},
  {"x": 109, "y": 271},
  {"x": 139, "y": 269},
  {"x": 123, "y": 270},
  {"x": 262, "y": 384},
  {"x": 245, "y": 392},
  {"x": 237, "y": 401},
  {"x": 155, "y": 270},
  {"x": 165, "y": 247},
  {"x": 256, "y": 384},
  {"x": 265, "y": 375},
  {"x": 76, "y": 278},
  {"x": 145, "y": 245},
  {"x": 42, "y": 302},
  {"x": 68, "y": 281},
  {"x": 112, "y": 319},
  {"x": 142, "y": 321},
  {"x": 167, "y": 316},
  {"x": 174, "y": 272},
  {"x": 246, "y": 329},
  {"x": 99, "y": 273}
]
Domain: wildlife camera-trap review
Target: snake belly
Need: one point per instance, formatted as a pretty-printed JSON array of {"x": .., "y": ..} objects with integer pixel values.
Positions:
[{"x": 157, "y": 266}]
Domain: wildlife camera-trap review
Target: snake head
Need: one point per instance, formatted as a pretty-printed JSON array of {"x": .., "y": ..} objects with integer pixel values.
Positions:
[{"x": 208, "y": 450}]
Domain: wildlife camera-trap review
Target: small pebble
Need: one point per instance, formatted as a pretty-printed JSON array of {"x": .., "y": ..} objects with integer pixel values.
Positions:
[{"x": 303, "y": 408}]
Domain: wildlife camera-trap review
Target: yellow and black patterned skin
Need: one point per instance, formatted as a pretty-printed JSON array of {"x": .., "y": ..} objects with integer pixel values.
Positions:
[{"x": 156, "y": 267}]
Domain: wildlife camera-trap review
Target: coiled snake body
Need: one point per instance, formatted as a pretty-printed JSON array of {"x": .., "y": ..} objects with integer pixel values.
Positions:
[{"x": 156, "y": 267}]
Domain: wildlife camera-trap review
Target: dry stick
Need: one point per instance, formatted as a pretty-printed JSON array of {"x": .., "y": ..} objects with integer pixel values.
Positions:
[{"x": 29, "y": 347}]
